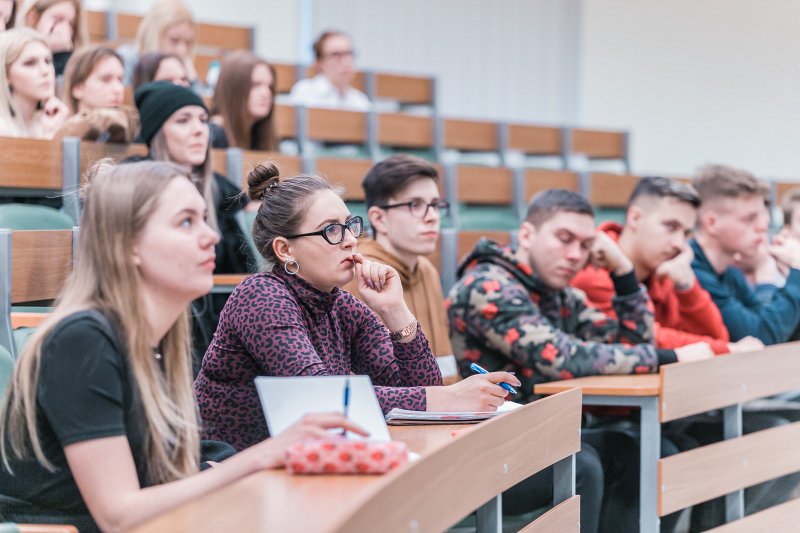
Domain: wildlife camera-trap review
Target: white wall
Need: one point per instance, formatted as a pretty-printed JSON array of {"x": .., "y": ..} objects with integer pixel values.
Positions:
[
  {"x": 696, "y": 81},
  {"x": 510, "y": 60}
]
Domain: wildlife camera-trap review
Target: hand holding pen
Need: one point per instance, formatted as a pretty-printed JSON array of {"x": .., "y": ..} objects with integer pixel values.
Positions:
[
  {"x": 478, "y": 369},
  {"x": 481, "y": 392}
]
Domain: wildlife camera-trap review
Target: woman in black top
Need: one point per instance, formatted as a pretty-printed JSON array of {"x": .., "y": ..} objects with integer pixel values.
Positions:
[{"x": 98, "y": 427}]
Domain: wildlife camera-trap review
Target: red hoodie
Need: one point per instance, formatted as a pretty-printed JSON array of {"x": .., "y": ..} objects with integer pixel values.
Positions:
[{"x": 681, "y": 317}]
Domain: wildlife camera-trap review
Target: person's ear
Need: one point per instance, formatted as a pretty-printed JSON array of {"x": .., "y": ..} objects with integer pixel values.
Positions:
[
  {"x": 136, "y": 257},
  {"x": 377, "y": 220},
  {"x": 77, "y": 92},
  {"x": 633, "y": 217},
  {"x": 283, "y": 249},
  {"x": 526, "y": 234},
  {"x": 708, "y": 220}
]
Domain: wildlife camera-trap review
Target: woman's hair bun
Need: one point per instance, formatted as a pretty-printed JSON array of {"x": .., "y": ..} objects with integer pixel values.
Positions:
[{"x": 261, "y": 180}]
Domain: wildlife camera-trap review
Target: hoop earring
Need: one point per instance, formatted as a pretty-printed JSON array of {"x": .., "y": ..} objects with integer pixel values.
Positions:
[{"x": 295, "y": 269}]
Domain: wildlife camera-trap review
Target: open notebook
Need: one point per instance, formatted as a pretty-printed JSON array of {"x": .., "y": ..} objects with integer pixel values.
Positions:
[
  {"x": 286, "y": 399},
  {"x": 404, "y": 417}
]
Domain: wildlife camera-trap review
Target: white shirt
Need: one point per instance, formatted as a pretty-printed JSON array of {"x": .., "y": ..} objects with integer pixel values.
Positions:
[{"x": 320, "y": 92}]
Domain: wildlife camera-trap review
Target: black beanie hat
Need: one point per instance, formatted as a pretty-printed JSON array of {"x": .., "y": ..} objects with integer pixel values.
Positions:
[{"x": 157, "y": 101}]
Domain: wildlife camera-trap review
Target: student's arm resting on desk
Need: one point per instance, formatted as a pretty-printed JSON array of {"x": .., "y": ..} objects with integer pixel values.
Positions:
[
  {"x": 81, "y": 367},
  {"x": 698, "y": 313},
  {"x": 105, "y": 473},
  {"x": 745, "y": 315},
  {"x": 634, "y": 322},
  {"x": 513, "y": 326}
]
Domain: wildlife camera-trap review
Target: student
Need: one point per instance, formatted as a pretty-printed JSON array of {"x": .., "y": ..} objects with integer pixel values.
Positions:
[
  {"x": 243, "y": 103},
  {"x": 62, "y": 22},
  {"x": 295, "y": 320},
  {"x": 28, "y": 105},
  {"x": 93, "y": 79},
  {"x": 659, "y": 217},
  {"x": 514, "y": 310},
  {"x": 158, "y": 66},
  {"x": 7, "y": 9},
  {"x": 168, "y": 27},
  {"x": 732, "y": 221},
  {"x": 331, "y": 87},
  {"x": 175, "y": 128},
  {"x": 98, "y": 425},
  {"x": 405, "y": 211}
]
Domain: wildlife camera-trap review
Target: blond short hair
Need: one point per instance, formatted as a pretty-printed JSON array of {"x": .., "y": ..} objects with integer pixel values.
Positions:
[{"x": 720, "y": 181}]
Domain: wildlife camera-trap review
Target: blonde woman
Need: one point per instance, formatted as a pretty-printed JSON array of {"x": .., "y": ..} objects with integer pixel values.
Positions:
[
  {"x": 62, "y": 22},
  {"x": 169, "y": 28},
  {"x": 244, "y": 102},
  {"x": 98, "y": 427},
  {"x": 28, "y": 106}
]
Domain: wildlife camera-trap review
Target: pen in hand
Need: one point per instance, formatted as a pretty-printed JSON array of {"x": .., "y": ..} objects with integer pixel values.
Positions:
[
  {"x": 475, "y": 367},
  {"x": 346, "y": 401}
]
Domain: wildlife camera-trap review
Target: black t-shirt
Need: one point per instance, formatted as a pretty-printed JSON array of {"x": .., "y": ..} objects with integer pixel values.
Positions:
[{"x": 85, "y": 392}]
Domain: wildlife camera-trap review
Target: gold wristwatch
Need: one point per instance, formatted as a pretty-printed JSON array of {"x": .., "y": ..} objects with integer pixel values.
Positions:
[{"x": 405, "y": 332}]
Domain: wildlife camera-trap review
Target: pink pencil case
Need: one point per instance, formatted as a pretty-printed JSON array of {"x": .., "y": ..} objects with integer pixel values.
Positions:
[{"x": 338, "y": 455}]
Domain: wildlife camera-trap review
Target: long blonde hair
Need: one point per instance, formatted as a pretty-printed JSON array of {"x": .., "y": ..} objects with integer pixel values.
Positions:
[
  {"x": 202, "y": 175},
  {"x": 80, "y": 34},
  {"x": 12, "y": 43},
  {"x": 163, "y": 15},
  {"x": 120, "y": 201}
]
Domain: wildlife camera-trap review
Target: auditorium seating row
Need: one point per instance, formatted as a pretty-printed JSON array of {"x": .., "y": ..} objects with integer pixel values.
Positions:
[{"x": 214, "y": 40}]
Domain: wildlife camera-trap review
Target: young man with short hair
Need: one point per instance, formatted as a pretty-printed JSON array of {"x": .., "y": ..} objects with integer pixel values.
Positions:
[
  {"x": 732, "y": 222},
  {"x": 405, "y": 211},
  {"x": 514, "y": 310},
  {"x": 332, "y": 86},
  {"x": 660, "y": 215}
]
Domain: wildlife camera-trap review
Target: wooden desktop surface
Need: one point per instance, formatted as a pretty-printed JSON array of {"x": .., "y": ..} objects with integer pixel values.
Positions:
[
  {"x": 625, "y": 385},
  {"x": 273, "y": 500}
]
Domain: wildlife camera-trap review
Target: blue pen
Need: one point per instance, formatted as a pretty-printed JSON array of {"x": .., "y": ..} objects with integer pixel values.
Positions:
[
  {"x": 346, "y": 400},
  {"x": 475, "y": 367}
]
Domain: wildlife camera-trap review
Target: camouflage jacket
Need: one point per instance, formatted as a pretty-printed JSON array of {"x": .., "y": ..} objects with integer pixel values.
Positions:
[{"x": 503, "y": 317}]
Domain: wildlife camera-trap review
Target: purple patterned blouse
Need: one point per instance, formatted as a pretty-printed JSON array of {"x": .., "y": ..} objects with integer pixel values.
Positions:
[{"x": 278, "y": 325}]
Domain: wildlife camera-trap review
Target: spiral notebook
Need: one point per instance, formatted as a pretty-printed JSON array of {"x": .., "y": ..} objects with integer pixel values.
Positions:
[{"x": 404, "y": 417}]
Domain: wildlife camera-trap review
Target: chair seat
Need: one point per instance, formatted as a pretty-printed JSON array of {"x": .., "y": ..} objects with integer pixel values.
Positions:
[{"x": 33, "y": 217}]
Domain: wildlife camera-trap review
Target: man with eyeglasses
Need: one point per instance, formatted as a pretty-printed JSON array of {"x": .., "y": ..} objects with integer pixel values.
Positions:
[
  {"x": 405, "y": 211},
  {"x": 331, "y": 87}
]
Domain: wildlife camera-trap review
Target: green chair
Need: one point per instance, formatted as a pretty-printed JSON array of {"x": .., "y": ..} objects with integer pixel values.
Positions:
[
  {"x": 6, "y": 369},
  {"x": 33, "y": 217}
]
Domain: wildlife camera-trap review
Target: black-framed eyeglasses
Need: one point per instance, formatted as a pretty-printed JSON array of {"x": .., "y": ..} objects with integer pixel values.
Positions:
[
  {"x": 419, "y": 209},
  {"x": 334, "y": 233}
]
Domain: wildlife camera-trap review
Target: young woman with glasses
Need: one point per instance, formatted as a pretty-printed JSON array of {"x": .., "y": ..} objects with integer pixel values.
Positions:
[{"x": 295, "y": 320}]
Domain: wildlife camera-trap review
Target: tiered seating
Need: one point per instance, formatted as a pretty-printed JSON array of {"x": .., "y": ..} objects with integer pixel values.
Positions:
[{"x": 34, "y": 266}]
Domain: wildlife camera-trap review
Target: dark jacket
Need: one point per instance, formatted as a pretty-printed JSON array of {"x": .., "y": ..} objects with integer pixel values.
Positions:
[
  {"x": 502, "y": 316},
  {"x": 742, "y": 310}
]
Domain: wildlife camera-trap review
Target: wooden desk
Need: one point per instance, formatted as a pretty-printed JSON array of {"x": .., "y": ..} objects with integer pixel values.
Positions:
[
  {"x": 640, "y": 391},
  {"x": 453, "y": 477}
]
